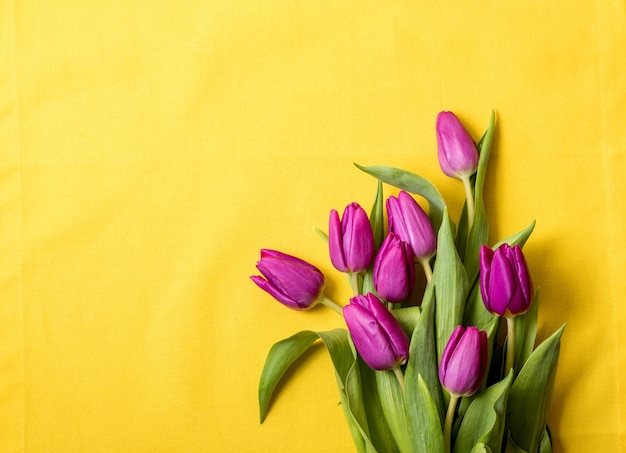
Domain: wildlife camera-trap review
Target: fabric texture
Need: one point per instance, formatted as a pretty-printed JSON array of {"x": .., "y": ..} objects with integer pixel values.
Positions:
[{"x": 150, "y": 149}]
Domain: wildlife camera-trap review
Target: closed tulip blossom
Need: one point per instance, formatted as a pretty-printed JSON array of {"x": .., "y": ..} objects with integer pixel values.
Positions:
[
  {"x": 506, "y": 288},
  {"x": 377, "y": 335},
  {"x": 290, "y": 280},
  {"x": 462, "y": 369},
  {"x": 505, "y": 282},
  {"x": 411, "y": 224},
  {"x": 458, "y": 156},
  {"x": 394, "y": 271},
  {"x": 350, "y": 239}
]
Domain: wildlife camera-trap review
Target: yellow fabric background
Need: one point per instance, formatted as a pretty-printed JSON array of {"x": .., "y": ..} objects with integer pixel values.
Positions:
[{"x": 149, "y": 149}]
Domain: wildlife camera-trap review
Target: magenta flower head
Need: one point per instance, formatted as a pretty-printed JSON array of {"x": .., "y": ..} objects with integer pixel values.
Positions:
[
  {"x": 505, "y": 282},
  {"x": 410, "y": 223},
  {"x": 464, "y": 361},
  {"x": 394, "y": 271},
  {"x": 350, "y": 240},
  {"x": 290, "y": 280},
  {"x": 377, "y": 335},
  {"x": 458, "y": 156}
]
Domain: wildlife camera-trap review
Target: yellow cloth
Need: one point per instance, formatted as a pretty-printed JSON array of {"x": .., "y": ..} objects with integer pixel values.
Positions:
[{"x": 149, "y": 149}]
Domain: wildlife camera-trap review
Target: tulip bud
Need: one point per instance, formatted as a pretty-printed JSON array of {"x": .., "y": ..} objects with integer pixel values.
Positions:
[
  {"x": 410, "y": 223},
  {"x": 464, "y": 361},
  {"x": 350, "y": 240},
  {"x": 290, "y": 280},
  {"x": 394, "y": 271},
  {"x": 458, "y": 156},
  {"x": 377, "y": 335},
  {"x": 505, "y": 282}
]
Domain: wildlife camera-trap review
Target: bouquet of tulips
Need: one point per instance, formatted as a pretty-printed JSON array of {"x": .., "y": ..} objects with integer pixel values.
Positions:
[{"x": 453, "y": 368}]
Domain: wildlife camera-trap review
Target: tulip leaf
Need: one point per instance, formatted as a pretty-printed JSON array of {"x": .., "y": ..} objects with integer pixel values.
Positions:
[
  {"x": 377, "y": 218},
  {"x": 545, "y": 445},
  {"x": 475, "y": 313},
  {"x": 281, "y": 356},
  {"x": 380, "y": 434},
  {"x": 525, "y": 333},
  {"x": 451, "y": 285},
  {"x": 481, "y": 448},
  {"x": 411, "y": 183},
  {"x": 423, "y": 362},
  {"x": 484, "y": 420},
  {"x": 344, "y": 358},
  {"x": 531, "y": 392},
  {"x": 408, "y": 317},
  {"x": 479, "y": 232},
  {"x": 392, "y": 402},
  {"x": 519, "y": 238},
  {"x": 425, "y": 430},
  {"x": 512, "y": 447}
]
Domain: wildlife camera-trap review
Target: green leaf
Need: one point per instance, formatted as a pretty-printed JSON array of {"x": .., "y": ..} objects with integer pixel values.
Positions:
[
  {"x": 525, "y": 333},
  {"x": 545, "y": 445},
  {"x": 484, "y": 420},
  {"x": 425, "y": 429},
  {"x": 380, "y": 434},
  {"x": 518, "y": 238},
  {"x": 451, "y": 285},
  {"x": 531, "y": 393},
  {"x": 281, "y": 356},
  {"x": 512, "y": 447},
  {"x": 423, "y": 362},
  {"x": 481, "y": 448},
  {"x": 408, "y": 317},
  {"x": 411, "y": 183},
  {"x": 376, "y": 217},
  {"x": 479, "y": 232},
  {"x": 392, "y": 402},
  {"x": 322, "y": 234},
  {"x": 344, "y": 358}
]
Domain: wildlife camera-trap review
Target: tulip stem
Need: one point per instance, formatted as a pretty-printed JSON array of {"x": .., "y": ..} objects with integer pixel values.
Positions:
[
  {"x": 398, "y": 372},
  {"x": 331, "y": 304},
  {"x": 447, "y": 429},
  {"x": 469, "y": 196},
  {"x": 510, "y": 344},
  {"x": 428, "y": 270},
  {"x": 354, "y": 283}
]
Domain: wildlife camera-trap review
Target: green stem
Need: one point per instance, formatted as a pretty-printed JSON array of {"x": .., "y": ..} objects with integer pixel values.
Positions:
[
  {"x": 354, "y": 283},
  {"x": 331, "y": 304},
  {"x": 398, "y": 372},
  {"x": 428, "y": 270},
  {"x": 510, "y": 344},
  {"x": 447, "y": 429},
  {"x": 469, "y": 197}
]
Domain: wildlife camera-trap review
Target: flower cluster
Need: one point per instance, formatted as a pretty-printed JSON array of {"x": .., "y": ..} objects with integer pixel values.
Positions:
[{"x": 426, "y": 350}]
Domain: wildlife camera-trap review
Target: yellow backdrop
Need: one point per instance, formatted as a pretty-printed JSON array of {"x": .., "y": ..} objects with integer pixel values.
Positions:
[{"x": 150, "y": 148}]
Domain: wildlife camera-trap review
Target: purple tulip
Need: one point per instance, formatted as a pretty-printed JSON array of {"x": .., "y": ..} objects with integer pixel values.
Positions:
[
  {"x": 458, "y": 156},
  {"x": 410, "y": 223},
  {"x": 377, "y": 335},
  {"x": 505, "y": 282},
  {"x": 464, "y": 361},
  {"x": 290, "y": 280},
  {"x": 394, "y": 271},
  {"x": 350, "y": 240}
]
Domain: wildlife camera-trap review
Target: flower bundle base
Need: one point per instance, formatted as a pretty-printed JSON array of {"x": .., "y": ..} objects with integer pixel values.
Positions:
[{"x": 432, "y": 376}]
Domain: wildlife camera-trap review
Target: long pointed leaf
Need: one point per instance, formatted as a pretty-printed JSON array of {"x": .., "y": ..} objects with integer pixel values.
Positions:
[
  {"x": 411, "y": 183},
  {"x": 451, "y": 285},
  {"x": 392, "y": 402},
  {"x": 484, "y": 420},
  {"x": 531, "y": 394},
  {"x": 281, "y": 356}
]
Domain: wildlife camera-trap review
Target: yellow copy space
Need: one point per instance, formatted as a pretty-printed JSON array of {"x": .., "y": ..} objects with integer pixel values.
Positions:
[{"x": 149, "y": 149}]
